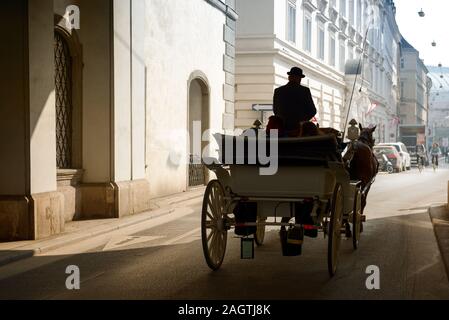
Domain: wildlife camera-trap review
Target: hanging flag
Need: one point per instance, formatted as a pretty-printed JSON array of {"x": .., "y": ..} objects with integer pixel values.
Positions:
[{"x": 395, "y": 121}]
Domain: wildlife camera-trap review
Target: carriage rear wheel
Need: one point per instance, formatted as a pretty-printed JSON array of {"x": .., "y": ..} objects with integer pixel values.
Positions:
[
  {"x": 335, "y": 225},
  {"x": 260, "y": 233},
  {"x": 214, "y": 231},
  {"x": 357, "y": 219}
]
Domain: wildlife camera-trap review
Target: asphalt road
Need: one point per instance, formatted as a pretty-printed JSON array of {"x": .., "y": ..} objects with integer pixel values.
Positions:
[{"x": 163, "y": 259}]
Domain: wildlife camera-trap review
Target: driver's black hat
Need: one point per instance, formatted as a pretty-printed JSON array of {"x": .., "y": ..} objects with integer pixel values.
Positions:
[{"x": 295, "y": 71}]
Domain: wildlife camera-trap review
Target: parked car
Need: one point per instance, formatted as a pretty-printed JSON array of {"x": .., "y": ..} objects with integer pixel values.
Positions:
[
  {"x": 392, "y": 155},
  {"x": 405, "y": 155}
]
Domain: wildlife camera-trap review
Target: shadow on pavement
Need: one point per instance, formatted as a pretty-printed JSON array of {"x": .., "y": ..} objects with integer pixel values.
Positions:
[{"x": 403, "y": 247}]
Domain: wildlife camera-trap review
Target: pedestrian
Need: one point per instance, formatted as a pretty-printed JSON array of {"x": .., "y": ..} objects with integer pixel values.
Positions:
[
  {"x": 293, "y": 102},
  {"x": 435, "y": 152}
]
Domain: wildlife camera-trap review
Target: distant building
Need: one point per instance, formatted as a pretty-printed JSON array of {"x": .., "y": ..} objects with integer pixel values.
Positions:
[
  {"x": 439, "y": 106},
  {"x": 415, "y": 90},
  {"x": 414, "y": 86}
]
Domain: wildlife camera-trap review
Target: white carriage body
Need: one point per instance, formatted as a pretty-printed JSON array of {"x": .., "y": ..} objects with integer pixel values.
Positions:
[{"x": 291, "y": 183}]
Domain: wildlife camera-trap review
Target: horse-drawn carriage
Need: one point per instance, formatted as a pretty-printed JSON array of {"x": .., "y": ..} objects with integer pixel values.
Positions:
[{"x": 309, "y": 170}]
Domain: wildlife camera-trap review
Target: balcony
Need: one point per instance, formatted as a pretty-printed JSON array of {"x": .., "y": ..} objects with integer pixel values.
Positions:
[
  {"x": 309, "y": 6},
  {"x": 333, "y": 15},
  {"x": 359, "y": 39},
  {"x": 352, "y": 33},
  {"x": 343, "y": 24},
  {"x": 322, "y": 6}
]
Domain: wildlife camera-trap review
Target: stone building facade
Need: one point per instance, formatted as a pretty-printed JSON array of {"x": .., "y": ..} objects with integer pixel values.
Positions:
[{"x": 91, "y": 118}]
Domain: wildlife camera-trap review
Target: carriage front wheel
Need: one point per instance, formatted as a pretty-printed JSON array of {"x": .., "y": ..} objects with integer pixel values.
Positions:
[
  {"x": 214, "y": 232},
  {"x": 336, "y": 220}
]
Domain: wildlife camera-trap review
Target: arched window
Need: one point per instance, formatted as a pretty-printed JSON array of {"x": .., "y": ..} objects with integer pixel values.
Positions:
[
  {"x": 68, "y": 96},
  {"x": 64, "y": 105}
]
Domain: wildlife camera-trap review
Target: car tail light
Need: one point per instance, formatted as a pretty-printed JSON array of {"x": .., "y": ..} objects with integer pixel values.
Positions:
[{"x": 391, "y": 156}]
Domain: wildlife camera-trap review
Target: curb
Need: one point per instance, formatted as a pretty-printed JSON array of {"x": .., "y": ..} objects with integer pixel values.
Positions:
[
  {"x": 440, "y": 221},
  {"x": 55, "y": 244},
  {"x": 168, "y": 207}
]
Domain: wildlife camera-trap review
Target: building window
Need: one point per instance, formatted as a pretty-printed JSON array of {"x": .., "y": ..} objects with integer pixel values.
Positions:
[
  {"x": 342, "y": 56},
  {"x": 351, "y": 12},
  {"x": 359, "y": 15},
  {"x": 320, "y": 42},
  {"x": 332, "y": 51},
  {"x": 307, "y": 33},
  {"x": 402, "y": 63},
  {"x": 343, "y": 8},
  {"x": 291, "y": 21},
  {"x": 63, "y": 95}
]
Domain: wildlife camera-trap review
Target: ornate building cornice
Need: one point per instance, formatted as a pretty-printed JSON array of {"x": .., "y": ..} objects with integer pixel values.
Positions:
[
  {"x": 223, "y": 7},
  {"x": 309, "y": 6}
]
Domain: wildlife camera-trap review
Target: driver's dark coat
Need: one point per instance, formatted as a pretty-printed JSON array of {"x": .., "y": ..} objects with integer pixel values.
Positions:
[{"x": 293, "y": 103}]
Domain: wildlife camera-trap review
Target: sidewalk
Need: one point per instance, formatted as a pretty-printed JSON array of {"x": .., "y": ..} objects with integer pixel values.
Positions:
[
  {"x": 440, "y": 220},
  {"x": 77, "y": 231}
]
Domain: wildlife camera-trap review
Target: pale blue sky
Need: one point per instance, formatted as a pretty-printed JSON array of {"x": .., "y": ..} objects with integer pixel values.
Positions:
[{"x": 420, "y": 32}]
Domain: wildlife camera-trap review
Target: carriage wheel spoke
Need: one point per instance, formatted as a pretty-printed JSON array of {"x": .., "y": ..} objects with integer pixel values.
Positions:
[
  {"x": 212, "y": 208},
  {"x": 209, "y": 236},
  {"x": 210, "y": 215},
  {"x": 216, "y": 205},
  {"x": 211, "y": 246}
]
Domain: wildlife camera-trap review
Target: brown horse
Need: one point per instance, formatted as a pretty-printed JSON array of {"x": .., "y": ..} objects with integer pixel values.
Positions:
[{"x": 362, "y": 163}]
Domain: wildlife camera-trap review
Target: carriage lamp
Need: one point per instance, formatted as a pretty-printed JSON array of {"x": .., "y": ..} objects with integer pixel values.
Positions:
[
  {"x": 353, "y": 131},
  {"x": 434, "y": 44},
  {"x": 421, "y": 14},
  {"x": 247, "y": 248},
  {"x": 440, "y": 65}
]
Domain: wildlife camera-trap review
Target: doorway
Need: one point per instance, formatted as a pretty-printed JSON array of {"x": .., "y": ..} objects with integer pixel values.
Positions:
[{"x": 198, "y": 120}]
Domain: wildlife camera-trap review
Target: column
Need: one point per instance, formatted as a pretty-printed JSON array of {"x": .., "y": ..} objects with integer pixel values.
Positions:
[{"x": 30, "y": 207}]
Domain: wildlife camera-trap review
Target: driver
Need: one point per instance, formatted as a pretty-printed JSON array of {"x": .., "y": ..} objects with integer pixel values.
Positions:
[{"x": 293, "y": 103}]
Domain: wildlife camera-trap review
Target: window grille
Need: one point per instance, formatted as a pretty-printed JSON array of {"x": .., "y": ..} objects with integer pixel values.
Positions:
[{"x": 63, "y": 96}]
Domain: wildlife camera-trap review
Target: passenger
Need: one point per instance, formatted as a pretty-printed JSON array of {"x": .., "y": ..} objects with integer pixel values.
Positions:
[
  {"x": 293, "y": 102},
  {"x": 276, "y": 123}
]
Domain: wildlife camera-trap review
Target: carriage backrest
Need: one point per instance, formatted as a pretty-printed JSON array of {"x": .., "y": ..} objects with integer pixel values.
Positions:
[{"x": 317, "y": 150}]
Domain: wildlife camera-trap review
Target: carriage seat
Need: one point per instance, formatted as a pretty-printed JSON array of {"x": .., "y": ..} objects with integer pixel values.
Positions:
[{"x": 309, "y": 151}]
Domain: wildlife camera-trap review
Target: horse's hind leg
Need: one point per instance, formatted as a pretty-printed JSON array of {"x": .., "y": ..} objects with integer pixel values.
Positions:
[{"x": 364, "y": 203}]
